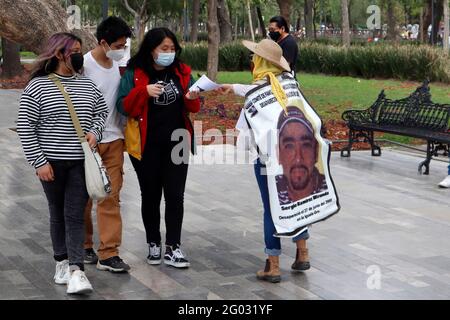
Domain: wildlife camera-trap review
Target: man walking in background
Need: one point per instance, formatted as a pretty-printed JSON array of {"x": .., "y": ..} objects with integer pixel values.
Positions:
[{"x": 279, "y": 32}]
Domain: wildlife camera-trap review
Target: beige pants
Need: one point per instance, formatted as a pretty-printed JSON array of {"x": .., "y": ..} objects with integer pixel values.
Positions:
[{"x": 109, "y": 221}]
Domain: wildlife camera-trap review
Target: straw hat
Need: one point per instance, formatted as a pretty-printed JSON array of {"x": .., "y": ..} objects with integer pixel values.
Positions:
[{"x": 268, "y": 50}]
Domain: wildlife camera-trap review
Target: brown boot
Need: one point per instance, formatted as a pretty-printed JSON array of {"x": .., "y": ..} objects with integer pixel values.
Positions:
[
  {"x": 301, "y": 262},
  {"x": 271, "y": 272}
]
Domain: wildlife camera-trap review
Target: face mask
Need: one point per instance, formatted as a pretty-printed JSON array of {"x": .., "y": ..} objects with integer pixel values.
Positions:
[
  {"x": 115, "y": 55},
  {"x": 165, "y": 59},
  {"x": 76, "y": 60},
  {"x": 275, "y": 35}
]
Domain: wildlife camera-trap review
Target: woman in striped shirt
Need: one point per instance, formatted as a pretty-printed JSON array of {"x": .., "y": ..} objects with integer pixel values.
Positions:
[{"x": 52, "y": 147}]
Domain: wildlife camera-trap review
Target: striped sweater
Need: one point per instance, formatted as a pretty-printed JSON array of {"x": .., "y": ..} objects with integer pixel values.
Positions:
[{"x": 44, "y": 124}]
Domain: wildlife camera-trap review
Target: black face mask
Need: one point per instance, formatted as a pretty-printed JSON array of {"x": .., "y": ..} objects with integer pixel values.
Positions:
[
  {"x": 77, "y": 61},
  {"x": 275, "y": 35}
]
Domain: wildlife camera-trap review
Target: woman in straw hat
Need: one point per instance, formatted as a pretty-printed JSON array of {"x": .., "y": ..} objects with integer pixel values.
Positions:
[{"x": 268, "y": 62}]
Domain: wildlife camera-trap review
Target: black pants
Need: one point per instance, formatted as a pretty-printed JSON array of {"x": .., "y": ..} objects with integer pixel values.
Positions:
[
  {"x": 67, "y": 198},
  {"x": 157, "y": 173}
]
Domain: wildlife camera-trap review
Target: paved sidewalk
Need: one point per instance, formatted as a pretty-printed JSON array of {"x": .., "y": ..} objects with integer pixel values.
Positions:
[{"x": 392, "y": 220}]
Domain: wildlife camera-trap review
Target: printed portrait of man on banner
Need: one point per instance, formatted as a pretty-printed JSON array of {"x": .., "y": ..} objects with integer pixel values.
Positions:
[{"x": 296, "y": 156}]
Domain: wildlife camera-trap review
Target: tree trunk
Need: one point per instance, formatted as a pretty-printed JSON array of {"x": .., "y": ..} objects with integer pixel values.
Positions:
[
  {"x": 140, "y": 18},
  {"x": 428, "y": 18},
  {"x": 252, "y": 31},
  {"x": 141, "y": 29},
  {"x": 194, "y": 20},
  {"x": 285, "y": 10},
  {"x": 299, "y": 21},
  {"x": 349, "y": 10},
  {"x": 345, "y": 24},
  {"x": 392, "y": 28},
  {"x": 446, "y": 26},
  {"x": 223, "y": 16},
  {"x": 426, "y": 21},
  {"x": 236, "y": 27},
  {"x": 421, "y": 24},
  {"x": 262, "y": 26},
  {"x": 11, "y": 66},
  {"x": 309, "y": 5},
  {"x": 213, "y": 40},
  {"x": 438, "y": 15},
  {"x": 314, "y": 19},
  {"x": 21, "y": 18}
]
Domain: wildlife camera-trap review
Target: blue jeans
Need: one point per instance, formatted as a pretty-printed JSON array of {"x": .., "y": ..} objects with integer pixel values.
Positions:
[{"x": 273, "y": 244}]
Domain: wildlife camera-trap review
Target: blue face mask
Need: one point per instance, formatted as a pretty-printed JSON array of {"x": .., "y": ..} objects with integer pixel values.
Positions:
[{"x": 165, "y": 59}]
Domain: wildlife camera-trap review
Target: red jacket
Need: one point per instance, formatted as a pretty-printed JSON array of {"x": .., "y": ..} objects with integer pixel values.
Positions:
[{"x": 132, "y": 99}]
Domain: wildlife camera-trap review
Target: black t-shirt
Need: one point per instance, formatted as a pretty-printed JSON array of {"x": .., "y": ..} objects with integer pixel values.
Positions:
[
  {"x": 290, "y": 51},
  {"x": 166, "y": 112}
]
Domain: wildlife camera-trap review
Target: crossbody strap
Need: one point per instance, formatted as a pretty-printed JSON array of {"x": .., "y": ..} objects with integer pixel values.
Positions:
[{"x": 73, "y": 113}]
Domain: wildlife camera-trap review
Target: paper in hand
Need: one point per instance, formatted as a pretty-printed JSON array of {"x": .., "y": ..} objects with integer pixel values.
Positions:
[{"x": 204, "y": 84}]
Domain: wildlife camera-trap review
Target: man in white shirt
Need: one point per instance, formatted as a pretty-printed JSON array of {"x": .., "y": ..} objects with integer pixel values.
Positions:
[{"x": 101, "y": 66}]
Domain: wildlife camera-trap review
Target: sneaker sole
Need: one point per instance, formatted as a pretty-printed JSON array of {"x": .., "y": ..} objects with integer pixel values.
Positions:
[
  {"x": 110, "y": 269},
  {"x": 178, "y": 265},
  {"x": 61, "y": 282},
  {"x": 82, "y": 291},
  {"x": 153, "y": 262}
]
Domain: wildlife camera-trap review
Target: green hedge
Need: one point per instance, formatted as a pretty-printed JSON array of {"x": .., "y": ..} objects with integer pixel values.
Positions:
[
  {"x": 404, "y": 62},
  {"x": 232, "y": 56}
]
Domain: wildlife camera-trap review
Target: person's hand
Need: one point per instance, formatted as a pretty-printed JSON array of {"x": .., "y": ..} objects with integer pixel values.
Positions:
[
  {"x": 225, "y": 89},
  {"x": 192, "y": 95},
  {"x": 154, "y": 90},
  {"x": 92, "y": 140},
  {"x": 45, "y": 173}
]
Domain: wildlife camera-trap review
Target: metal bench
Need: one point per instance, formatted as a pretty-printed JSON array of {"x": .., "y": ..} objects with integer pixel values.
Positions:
[{"x": 415, "y": 116}]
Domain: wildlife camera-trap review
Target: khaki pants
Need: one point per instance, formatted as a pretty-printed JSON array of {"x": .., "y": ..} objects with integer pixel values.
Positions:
[{"x": 109, "y": 221}]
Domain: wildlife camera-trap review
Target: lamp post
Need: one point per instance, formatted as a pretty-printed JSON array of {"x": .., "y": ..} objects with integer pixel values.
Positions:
[{"x": 105, "y": 9}]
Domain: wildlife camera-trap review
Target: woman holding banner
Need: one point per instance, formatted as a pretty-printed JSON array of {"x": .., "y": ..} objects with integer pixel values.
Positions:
[{"x": 267, "y": 64}]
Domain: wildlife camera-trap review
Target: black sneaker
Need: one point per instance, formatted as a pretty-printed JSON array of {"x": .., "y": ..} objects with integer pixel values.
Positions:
[
  {"x": 113, "y": 264},
  {"x": 154, "y": 255},
  {"x": 175, "y": 258},
  {"x": 90, "y": 257}
]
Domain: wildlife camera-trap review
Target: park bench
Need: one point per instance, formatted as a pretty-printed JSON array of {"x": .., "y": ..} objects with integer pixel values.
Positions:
[{"x": 415, "y": 116}]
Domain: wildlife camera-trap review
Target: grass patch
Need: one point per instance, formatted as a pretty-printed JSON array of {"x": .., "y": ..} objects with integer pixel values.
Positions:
[
  {"x": 332, "y": 95},
  {"x": 401, "y": 139},
  {"x": 27, "y": 55}
]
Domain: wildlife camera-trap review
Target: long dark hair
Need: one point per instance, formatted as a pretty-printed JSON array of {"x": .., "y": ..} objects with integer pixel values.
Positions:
[
  {"x": 144, "y": 58},
  {"x": 47, "y": 62}
]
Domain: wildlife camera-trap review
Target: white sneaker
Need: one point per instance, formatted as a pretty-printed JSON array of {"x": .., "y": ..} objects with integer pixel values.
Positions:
[
  {"x": 62, "y": 273},
  {"x": 445, "y": 183},
  {"x": 79, "y": 283}
]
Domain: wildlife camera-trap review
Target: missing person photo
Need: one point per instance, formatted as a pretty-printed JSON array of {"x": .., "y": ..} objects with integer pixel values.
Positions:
[{"x": 298, "y": 154}]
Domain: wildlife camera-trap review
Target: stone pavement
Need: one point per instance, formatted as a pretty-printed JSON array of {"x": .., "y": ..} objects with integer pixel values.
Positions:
[{"x": 393, "y": 221}]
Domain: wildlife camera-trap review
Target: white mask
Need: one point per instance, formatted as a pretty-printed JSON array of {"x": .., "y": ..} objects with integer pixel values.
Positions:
[{"x": 115, "y": 55}]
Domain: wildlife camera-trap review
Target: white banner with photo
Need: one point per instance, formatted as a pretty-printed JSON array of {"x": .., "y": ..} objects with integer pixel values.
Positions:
[{"x": 297, "y": 157}]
